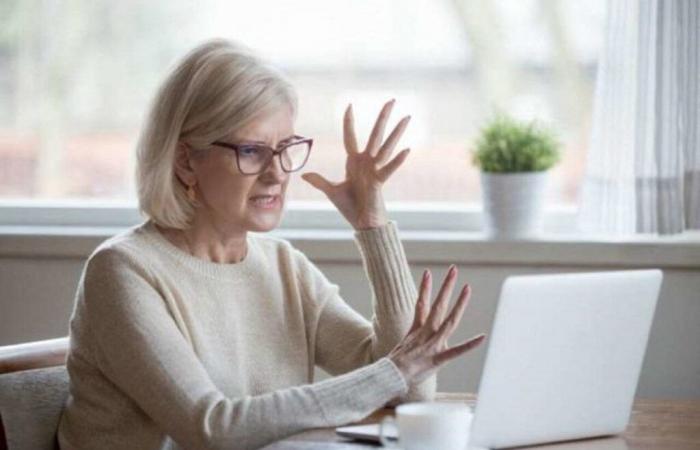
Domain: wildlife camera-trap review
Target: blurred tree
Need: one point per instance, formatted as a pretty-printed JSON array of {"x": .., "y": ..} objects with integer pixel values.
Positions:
[
  {"x": 494, "y": 74},
  {"x": 68, "y": 62},
  {"x": 574, "y": 91}
]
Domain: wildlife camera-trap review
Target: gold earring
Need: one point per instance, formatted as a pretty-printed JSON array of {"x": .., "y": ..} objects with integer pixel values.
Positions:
[{"x": 191, "y": 194}]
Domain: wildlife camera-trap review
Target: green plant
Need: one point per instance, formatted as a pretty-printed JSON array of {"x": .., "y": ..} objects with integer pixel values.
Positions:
[{"x": 507, "y": 145}]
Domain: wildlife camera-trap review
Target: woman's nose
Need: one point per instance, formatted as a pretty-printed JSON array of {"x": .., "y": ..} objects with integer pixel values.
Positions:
[{"x": 274, "y": 170}]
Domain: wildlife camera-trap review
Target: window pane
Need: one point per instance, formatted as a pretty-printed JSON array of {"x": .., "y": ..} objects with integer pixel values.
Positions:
[{"x": 76, "y": 79}]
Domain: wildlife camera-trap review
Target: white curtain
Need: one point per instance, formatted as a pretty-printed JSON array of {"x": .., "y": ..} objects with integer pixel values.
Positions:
[{"x": 643, "y": 168}]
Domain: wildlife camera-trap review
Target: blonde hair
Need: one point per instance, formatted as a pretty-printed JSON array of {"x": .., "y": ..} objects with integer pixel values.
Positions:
[{"x": 215, "y": 90}]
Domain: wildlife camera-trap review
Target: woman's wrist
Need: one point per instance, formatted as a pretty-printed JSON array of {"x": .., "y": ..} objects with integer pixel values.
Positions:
[
  {"x": 370, "y": 221},
  {"x": 370, "y": 224},
  {"x": 403, "y": 370}
]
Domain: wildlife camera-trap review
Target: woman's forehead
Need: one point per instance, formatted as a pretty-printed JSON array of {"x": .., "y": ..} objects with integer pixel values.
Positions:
[{"x": 270, "y": 128}]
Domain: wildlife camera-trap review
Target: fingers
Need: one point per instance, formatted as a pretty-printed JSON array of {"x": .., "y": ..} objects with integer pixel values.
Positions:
[
  {"x": 388, "y": 147},
  {"x": 317, "y": 181},
  {"x": 377, "y": 135},
  {"x": 385, "y": 172},
  {"x": 423, "y": 302},
  {"x": 459, "y": 349},
  {"x": 349, "y": 137},
  {"x": 437, "y": 312},
  {"x": 453, "y": 318},
  {"x": 426, "y": 288}
]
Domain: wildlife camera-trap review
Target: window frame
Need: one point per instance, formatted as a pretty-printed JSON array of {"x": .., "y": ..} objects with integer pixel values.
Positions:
[{"x": 299, "y": 215}]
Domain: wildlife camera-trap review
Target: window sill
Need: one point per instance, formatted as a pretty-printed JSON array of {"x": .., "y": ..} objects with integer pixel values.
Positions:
[{"x": 422, "y": 247}]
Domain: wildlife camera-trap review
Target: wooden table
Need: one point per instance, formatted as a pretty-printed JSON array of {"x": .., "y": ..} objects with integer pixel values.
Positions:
[{"x": 654, "y": 425}]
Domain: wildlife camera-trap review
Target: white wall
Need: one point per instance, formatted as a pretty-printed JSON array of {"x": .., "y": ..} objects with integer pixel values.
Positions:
[{"x": 39, "y": 273}]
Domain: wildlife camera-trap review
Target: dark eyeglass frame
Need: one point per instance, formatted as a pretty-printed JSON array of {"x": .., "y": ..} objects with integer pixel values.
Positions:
[{"x": 273, "y": 151}]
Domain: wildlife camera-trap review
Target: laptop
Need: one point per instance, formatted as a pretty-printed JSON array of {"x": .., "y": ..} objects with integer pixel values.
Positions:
[{"x": 564, "y": 358}]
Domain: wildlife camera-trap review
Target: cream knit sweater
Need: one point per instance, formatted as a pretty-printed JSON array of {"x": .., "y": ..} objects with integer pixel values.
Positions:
[{"x": 169, "y": 351}]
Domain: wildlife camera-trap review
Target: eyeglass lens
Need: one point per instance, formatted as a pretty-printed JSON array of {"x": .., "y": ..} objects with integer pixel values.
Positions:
[{"x": 254, "y": 159}]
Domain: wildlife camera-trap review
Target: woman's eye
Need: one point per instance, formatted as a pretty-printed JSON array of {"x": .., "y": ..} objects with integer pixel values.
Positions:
[{"x": 249, "y": 151}]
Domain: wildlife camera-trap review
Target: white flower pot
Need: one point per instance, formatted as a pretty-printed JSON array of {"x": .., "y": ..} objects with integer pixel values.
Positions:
[{"x": 513, "y": 203}]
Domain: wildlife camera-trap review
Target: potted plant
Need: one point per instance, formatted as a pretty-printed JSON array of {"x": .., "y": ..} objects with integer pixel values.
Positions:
[{"x": 514, "y": 158}]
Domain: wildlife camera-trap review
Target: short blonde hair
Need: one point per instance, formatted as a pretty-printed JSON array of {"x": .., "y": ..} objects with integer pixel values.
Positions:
[{"x": 215, "y": 90}]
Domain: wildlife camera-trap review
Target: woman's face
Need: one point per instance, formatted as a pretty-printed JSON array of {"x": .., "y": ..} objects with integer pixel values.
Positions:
[{"x": 241, "y": 202}]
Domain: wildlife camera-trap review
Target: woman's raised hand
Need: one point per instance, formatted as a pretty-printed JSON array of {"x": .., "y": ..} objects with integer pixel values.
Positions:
[
  {"x": 424, "y": 349},
  {"x": 359, "y": 197}
]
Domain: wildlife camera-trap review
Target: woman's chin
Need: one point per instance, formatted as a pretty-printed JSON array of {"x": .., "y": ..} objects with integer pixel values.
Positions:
[
  {"x": 265, "y": 222},
  {"x": 267, "y": 217}
]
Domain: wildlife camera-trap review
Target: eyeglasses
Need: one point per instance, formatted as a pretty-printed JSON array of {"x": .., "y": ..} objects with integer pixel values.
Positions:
[{"x": 253, "y": 159}]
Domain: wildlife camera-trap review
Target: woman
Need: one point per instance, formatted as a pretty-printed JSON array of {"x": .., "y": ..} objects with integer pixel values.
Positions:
[{"x": 188, "y": 332}]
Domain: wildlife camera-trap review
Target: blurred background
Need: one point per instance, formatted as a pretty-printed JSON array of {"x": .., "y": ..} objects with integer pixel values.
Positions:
[{"x": 76, "y": 78}]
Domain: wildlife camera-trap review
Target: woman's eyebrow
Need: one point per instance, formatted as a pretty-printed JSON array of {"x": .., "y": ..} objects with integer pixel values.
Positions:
[{"x": 253, "y": 141}]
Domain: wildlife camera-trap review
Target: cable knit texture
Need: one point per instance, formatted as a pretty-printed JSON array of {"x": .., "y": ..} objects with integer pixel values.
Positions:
[{"x": 168, "y": 351}]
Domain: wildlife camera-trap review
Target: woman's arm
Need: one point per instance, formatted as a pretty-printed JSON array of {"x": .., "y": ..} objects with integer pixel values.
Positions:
[
  {"x": 140, "y": 349},
  {"x": 344, "y": 339},
  {"x": 359, "y": 199}
]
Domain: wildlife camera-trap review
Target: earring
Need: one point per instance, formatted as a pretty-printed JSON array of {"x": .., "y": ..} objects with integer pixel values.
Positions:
[{"x": 191, "y": 194}]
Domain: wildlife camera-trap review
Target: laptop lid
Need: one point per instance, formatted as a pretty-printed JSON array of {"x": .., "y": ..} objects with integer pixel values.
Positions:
[{"x": 564, "y": 357}]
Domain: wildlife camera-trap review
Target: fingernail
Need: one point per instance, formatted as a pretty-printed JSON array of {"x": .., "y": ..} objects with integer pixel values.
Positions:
[
  {"x": 407, "y": 118},
  {"x": 453, "y": 269},
  {"x": 425, "y": 274},
  {"x": 465, "y": 289},
  {"x": 393, "y": 100}
]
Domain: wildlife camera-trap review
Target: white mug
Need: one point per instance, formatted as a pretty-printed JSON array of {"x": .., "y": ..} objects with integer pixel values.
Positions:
[{"x": 429, "y": 425}]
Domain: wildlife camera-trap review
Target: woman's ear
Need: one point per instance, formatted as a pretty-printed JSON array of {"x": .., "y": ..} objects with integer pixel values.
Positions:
[{"x": 183, "y": 165}]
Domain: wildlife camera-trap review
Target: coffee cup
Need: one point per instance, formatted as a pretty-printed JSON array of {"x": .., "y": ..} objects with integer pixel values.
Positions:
[{"x": 429, "y": 425}]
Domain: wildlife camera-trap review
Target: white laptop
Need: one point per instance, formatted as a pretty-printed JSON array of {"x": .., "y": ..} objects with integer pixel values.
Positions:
[{"x": 564, "y": 358}]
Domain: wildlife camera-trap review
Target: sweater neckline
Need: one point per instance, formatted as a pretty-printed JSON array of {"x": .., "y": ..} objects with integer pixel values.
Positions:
[{"x": 223, "y": 271}]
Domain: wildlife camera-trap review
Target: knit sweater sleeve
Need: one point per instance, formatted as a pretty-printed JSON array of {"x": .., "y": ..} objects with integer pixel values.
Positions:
[
  {"x": 345, "y": 340},
  {"x": 139, "y": 348}
]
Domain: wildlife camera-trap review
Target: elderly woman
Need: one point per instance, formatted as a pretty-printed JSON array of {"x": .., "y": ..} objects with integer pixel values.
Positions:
[{"x": 189, "y": 332}]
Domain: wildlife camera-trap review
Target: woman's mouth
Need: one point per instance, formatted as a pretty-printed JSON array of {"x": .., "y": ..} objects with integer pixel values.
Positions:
[{"x": 266, "y": 201}]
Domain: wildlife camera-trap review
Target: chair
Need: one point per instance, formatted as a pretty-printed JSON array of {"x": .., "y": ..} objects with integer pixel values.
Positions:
[{"x": 33, "y": 390}]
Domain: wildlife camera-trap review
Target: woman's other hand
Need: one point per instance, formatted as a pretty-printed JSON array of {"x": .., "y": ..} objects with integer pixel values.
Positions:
[
  {"x": 359, "y": 197},
  {"x": 424, "y": 349}
]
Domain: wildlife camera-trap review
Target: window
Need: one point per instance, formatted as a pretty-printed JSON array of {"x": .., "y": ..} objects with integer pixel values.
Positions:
[{"x": 76, "y": 79}]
